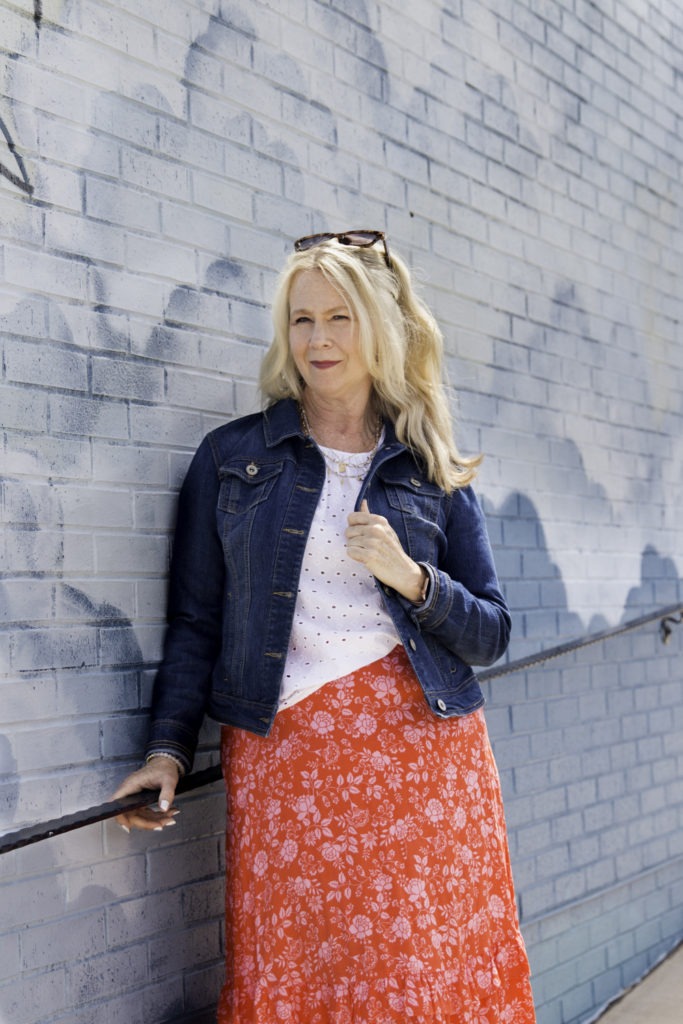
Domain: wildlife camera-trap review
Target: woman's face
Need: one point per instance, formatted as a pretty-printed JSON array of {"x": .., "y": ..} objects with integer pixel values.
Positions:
[{"x": 323, "y": 338}]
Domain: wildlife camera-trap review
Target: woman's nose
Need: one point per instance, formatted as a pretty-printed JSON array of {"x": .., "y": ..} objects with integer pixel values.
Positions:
[{"x": 318, "y": 334}]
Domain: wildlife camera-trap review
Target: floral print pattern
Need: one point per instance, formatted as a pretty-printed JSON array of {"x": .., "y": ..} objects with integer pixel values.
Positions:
[{"x": 368, "y": 877}]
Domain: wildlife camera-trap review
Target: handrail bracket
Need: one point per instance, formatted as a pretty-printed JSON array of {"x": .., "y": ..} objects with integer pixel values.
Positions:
[{"x": 666, "y": 626}]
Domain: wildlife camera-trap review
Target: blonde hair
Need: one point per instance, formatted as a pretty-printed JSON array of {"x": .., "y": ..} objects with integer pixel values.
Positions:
[{"x": 400, "y": 342}]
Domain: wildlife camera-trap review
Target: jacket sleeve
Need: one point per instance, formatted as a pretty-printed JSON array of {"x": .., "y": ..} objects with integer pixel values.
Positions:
[
  {"x": 465, "y": 608},
  {"x": 193, "y": 637}
]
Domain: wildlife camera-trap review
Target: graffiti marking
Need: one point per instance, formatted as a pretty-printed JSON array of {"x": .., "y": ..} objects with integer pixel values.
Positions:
[{"x": 21, "y": 179}]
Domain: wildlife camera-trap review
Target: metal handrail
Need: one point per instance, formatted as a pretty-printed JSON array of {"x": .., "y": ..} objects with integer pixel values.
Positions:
[
  {"x": 668, "y": 616},
  {"x": 101, "y": 812}
]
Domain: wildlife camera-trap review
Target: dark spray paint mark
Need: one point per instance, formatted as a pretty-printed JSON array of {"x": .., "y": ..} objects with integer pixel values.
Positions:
[
  {"x": 38, "y": 12},
  {"x": 22, "y": 181},
  {"x": 221, "y": 274}
]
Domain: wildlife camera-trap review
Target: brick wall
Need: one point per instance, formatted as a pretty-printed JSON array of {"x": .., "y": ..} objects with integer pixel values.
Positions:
[{"x": 156, "y": 162}]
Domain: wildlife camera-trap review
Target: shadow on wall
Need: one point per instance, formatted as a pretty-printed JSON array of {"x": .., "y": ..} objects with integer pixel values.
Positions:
[
  {"x": 660, "y": 584},
  {"x": 70, "y": 655},
  {"x": 534, "y": 588},
  {"x": 531, "y": 581}
]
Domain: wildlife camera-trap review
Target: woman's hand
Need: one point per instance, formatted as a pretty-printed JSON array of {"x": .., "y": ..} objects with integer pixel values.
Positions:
[
  {"x": 160, "y": 773},
  {"x": 372, "y": 541}
]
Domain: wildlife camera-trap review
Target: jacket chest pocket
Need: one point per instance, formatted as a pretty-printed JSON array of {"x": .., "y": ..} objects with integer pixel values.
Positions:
[
  {"x": 415, "y": 497},
  {"x": 246, "y": 484},
  {"x": 418, "y": 503}
]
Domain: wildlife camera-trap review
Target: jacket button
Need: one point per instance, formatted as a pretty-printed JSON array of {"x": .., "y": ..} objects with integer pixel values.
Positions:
[
  {"x": 441, "y": 704},
  {"x": 252, "y": 469},
  {"x": 413, "y": 645},
  {"x": 415, "y": 482}
]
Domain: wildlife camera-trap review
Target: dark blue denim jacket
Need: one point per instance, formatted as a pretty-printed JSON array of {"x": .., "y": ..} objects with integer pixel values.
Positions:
[{"x": 244, "y": 515}]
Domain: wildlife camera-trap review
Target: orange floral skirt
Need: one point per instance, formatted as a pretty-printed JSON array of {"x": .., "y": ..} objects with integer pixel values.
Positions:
[{"x": 368, "y": 877}]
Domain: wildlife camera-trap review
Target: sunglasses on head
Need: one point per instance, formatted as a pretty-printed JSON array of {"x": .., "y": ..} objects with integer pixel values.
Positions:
[{"x": 362, "y": 239}]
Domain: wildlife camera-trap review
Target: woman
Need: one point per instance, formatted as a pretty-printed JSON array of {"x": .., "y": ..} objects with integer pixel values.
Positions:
[{"x": 332, "y": 584}]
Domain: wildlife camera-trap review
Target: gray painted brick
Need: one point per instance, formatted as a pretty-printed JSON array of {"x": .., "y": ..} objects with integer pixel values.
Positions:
[
  {"x": 31, "y": 901},
  {"x": 9, "y": 956},
  {"x": 103, "y": 976},
  {"x": 195, "y": 946},
  {"x": 118, "y": 463},
  {"x": 88, "y": 238},
  {"x": 51, "y": 944},
  {"x": 167, "y": 426},
  {"x": 138, "y": 919},
  {"x": 76, "y": 415},
  {"x": 29, "y": 999},
  {"x": 54, "y": 648},
  {"x": 53, "y": 275},
  {"x": 174, "y": 187},
  {"x": 114, "y": 204}
]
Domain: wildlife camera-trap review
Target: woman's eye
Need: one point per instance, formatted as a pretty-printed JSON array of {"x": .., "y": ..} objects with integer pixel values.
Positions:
[{"x": 302, "y": 320}]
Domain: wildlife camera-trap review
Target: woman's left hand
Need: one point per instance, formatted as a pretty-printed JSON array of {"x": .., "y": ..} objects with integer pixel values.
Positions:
[{"x": 371, "y": 540}]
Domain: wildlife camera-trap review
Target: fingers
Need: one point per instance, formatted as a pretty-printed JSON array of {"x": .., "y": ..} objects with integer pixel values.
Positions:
[
  {"x": 167, "y": 793},
  {"x": 147, "y": 819},
  {"x": 368, "y": 530},
  {"x": 161, "y": 774},
  {"x": 372, "y": 541},
  {"x": 363, "y": 516}
]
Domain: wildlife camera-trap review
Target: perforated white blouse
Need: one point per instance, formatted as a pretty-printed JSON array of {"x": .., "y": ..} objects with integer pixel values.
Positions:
[{"x": 340, "y": 623}]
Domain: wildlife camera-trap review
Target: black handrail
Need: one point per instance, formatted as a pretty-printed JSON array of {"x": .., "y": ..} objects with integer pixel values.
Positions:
[
  {"x": 101, "y": 812},
  {"x": 669, "y": 616}
]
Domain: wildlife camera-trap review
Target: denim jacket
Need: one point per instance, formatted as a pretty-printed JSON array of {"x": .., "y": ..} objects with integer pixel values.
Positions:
[{"x": 244, "y": 515}]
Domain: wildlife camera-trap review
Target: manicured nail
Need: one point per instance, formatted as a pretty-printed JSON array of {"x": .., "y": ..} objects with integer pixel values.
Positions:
[
  {"x": 171, "y": 823},
  {"x": 125, "y": 828},
  {"x": 164, "y": 805},
  {"x": 158, "y": 828}
]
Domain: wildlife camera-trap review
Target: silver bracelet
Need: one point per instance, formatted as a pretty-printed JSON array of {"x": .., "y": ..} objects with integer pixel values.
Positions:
[{"x": 170, "y": 757}]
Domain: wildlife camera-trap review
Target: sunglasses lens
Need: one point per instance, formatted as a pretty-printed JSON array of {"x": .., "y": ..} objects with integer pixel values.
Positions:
[
  {"x": 360, "y": 238},
  {"x": 310, "y": 241}
]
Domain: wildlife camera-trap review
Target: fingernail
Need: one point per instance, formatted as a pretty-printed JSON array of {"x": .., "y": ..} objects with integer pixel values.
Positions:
[
  {"x": 171, "y": 823},
  {"x": 164, "y": 805},
  {"x": 158, "y": 828},
  {"x": 125, "y": 828}
]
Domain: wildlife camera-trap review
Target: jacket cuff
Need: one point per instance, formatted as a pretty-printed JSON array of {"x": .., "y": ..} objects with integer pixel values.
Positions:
[
  {"x": 430, "y": 590},
  {"x": 180, "y": 764},
  {"x": 170, "y": 737},
  {"x": 437, "y": 603}
]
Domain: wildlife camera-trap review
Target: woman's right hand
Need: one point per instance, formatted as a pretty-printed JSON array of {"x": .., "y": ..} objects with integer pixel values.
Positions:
[{"x": 160, "y": 773}]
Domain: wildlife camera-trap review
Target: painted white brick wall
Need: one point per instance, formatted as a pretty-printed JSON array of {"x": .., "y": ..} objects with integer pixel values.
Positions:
[{"x": 156, "y": 162}]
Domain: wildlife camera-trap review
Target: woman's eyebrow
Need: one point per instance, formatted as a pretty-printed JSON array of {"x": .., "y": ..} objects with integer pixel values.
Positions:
[{"x": 326, "y": 312}]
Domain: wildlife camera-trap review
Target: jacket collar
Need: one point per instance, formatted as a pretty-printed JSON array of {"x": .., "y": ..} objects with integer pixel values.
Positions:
[{"x": 282, "y": 421}]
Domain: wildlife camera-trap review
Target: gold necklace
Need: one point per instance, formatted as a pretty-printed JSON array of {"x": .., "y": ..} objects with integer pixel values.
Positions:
[{"x": 341, "y": 467}]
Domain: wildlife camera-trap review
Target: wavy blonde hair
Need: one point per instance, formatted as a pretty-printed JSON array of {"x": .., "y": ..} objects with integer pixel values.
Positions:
[{"x": 400, "y": 342}]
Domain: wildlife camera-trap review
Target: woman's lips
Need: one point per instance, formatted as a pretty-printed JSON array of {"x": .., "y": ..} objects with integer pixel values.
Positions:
[{"x": 324, "y": 365}]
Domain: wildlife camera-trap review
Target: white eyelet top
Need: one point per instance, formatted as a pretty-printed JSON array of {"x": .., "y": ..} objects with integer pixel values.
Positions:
[{"x": 340, "y": 622}]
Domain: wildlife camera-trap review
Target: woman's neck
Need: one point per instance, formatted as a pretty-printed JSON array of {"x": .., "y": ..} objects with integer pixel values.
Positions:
[{"x": 348, "y": 427}]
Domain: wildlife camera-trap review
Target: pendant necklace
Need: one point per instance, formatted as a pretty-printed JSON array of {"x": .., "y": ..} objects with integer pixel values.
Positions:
[{"x": 347, "y": 468}]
